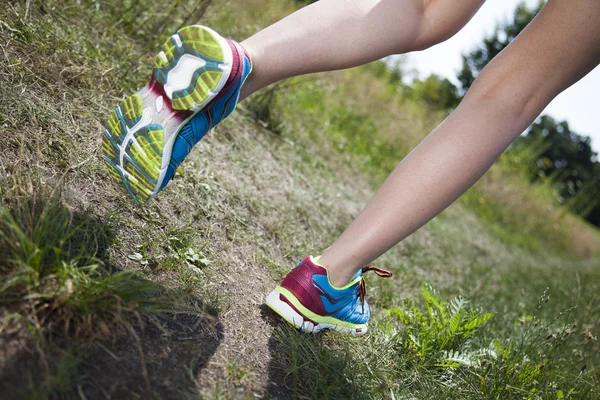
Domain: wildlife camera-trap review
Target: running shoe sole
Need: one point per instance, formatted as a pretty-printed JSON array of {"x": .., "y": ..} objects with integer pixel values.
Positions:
[
  {"x": 190, "y": 70},
  {"x": 284, "y": 303}
]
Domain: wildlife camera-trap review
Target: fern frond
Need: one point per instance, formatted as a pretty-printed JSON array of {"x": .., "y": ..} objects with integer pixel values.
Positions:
[
  {"x": 477, "y": 320},
  {"x": 457, "y": 357},
  {"x": 455, "y": 322},
  {"x": 432, "y": 299},
  {"x": 457, "y": 304}
]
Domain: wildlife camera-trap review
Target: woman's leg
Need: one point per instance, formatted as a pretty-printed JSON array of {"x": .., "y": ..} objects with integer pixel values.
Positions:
[
  {"x": 327, "y": 35},
  {"x": 559, "y": 47},
  {"x": 336, "y": 34}
]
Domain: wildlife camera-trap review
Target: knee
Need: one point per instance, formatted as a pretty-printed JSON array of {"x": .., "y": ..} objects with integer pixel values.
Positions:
[
  {"x": 431, "y": 38},
  {"x": 429, "y": 35},
  {"x": 507, "y": 94},
  {"x": 441, "y": 19}
]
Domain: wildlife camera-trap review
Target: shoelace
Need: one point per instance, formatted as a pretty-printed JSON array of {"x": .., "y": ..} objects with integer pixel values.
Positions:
[{"x": 362, "y": 286}]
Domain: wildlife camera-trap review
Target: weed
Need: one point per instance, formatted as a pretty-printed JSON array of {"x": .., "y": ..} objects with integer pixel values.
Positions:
[
  {"x": 263, "y": 108},
  {"x": 236, "y": 374},
  {"x": 53, "y": 274},
  {"x": 59, "y": 292},
  {"x": 439, "y": 335}
]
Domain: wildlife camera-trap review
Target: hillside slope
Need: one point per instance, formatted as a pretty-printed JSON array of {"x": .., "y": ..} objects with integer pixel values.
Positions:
[{"x": 277, "y": 180}]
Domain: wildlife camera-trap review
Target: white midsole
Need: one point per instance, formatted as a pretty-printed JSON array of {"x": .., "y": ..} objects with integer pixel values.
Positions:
[
  {"x": 292, "y": 316},
  {"x": 180, "y": 76}
]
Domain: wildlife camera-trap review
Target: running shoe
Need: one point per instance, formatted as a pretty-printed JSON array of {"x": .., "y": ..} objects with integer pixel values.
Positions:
[
  {"x": 195, "y": 84},
  {"x": 307, "y": 300}
]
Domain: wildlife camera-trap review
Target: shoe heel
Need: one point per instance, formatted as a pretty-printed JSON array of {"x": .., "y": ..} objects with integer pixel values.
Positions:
[
  {"x": 287, "y": 312},
  {"x": 193, "y": 66}
]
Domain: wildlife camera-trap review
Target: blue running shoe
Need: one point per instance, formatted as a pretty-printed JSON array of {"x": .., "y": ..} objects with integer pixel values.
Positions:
[
  {"x": 307, "y": 300},
  {"x": 195, "y": 84}
]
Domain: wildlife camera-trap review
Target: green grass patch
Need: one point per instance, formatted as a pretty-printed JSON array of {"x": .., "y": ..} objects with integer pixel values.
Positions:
[
  {"x": 59, "y": 292},
  {"x": 439, "y": 348}
]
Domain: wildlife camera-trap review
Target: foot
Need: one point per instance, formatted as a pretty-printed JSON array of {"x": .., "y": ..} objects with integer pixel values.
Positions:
[
  {"x": 307, "y": 300},
  {"x": 195, "y": 84}
]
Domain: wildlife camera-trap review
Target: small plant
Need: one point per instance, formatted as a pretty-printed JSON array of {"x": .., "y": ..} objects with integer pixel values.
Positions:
[
  {"x": 439, "y": 335},
  {"x": 54, "y": 280}
]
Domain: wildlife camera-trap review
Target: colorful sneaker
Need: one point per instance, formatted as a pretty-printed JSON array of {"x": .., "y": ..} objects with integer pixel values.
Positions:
[
  {"x": 195, "y": 83},
  {"x": 307, "y": 300}
]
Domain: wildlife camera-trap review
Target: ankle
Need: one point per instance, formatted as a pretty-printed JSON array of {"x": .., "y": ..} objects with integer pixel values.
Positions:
[
  {"x": 338, "y": 276},
  {"x": 247, "y": 88},
  {"x": 250, "y": 84},
  {"x": 261, "y": 75}
]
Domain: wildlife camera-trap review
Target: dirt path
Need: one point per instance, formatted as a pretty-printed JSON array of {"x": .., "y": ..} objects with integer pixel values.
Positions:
[{"x": 279, "y": 218}]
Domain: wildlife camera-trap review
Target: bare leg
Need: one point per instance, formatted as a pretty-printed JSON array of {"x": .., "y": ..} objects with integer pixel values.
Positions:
[
  {"x": 559, "y": 47},
  {"x": 336, "y": 34}
]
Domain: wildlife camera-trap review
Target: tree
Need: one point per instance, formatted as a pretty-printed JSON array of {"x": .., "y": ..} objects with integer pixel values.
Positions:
[
  {"x": 438, "y": 93},
  {"x": 563, "y": 155},
  {"x": 567, "y": 161},
  {"x": 503, "y": 35}
]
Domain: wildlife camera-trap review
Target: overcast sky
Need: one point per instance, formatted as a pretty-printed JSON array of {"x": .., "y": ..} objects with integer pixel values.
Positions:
[{"x": 579, "y": 105}]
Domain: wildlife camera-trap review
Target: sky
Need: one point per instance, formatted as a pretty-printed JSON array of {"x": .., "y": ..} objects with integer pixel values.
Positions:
[{"x": 579, "y": 105}]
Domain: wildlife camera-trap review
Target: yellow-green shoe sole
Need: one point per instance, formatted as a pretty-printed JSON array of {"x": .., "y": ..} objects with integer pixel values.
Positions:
[
  {"x": 200, "y": 52},
  {"x": 137, "y": 164},
  {"x": 191, "y": 69}
]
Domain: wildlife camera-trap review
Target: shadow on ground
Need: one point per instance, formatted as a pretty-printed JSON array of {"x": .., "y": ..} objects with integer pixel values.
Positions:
[
  {"x": 163, "y": 364},
  {"x": 303, "y": 367},
  {"x": 159, "y": 357}
]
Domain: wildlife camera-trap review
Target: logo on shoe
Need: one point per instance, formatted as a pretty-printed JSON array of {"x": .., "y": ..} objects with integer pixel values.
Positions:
[{"x": 331, "y": 304}]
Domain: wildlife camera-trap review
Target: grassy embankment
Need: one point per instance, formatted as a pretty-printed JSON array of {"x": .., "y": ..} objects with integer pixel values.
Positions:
[{"x": 102, "y": 299}]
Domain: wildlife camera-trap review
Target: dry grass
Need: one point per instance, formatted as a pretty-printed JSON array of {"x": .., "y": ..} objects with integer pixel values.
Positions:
[
  {"x": 529, "y": 216},
  {"x": 250, "y": 203}
]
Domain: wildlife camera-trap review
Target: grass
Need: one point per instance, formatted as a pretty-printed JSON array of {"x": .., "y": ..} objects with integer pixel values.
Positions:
[
  {"x": 425, "y": 350},
  {"x": 164, "y": 301},
  {"x": 51, "y": 275},
  {"x": 58, "y": 288}
]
